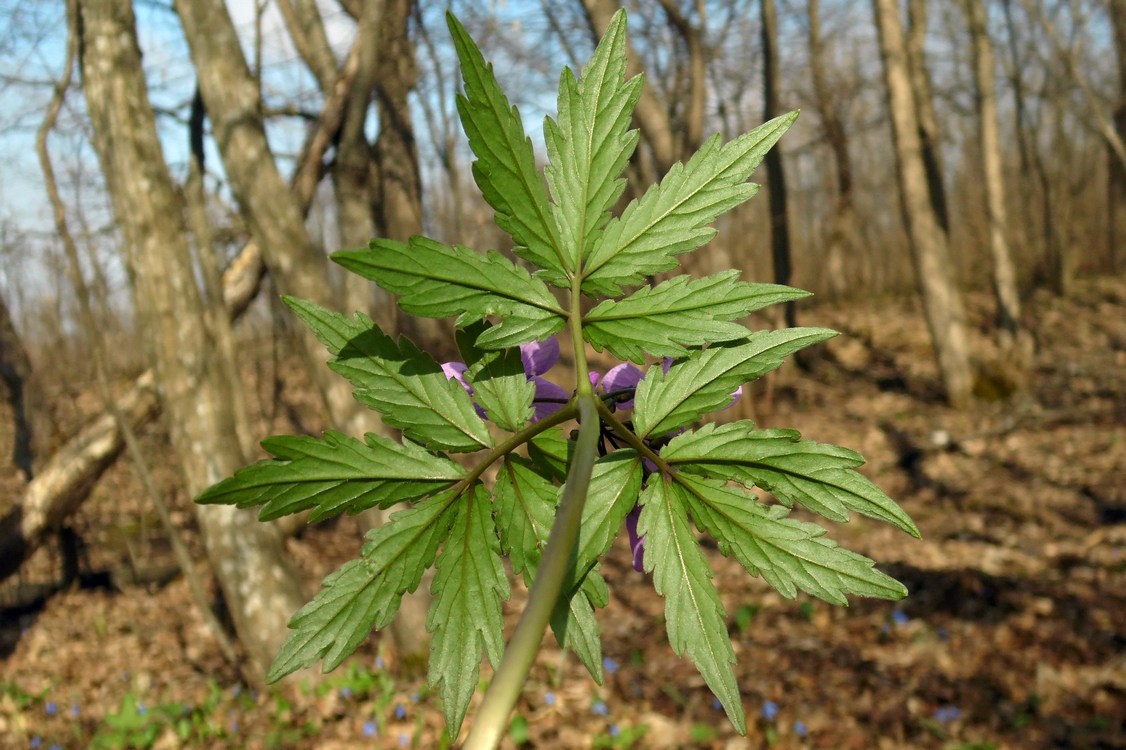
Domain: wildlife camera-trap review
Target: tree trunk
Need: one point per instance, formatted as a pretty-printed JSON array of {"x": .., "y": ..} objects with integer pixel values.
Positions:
[
  {"x": 926, "y": 116},
  {"x": 841, "y": 242},
  {"x": 930, "y": 252},
  {"x": 989, "y": 142},
  {"x": 16, "y": 374},
  {"x": 775, "y": 174},
  {"x": 1116, "y": 179},
  {"x": 257, "y": 580}
]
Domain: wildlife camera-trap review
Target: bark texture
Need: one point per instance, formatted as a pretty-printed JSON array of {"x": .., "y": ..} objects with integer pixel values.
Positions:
[
  {"x": 256, "y": 578},
  {"x": 930, "y": 254},
  {"x": 1116, "y": 179},
  {"x": 989, "y": 141},
  {"x": 775, "y": 173}
]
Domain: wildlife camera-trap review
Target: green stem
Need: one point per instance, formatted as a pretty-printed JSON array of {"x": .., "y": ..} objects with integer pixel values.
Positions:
[
  {"x": 575, "y": 323},
  {"x": 492, "y": 718},
  {"x": 568, "y": 412},
  {"x": 631, "y": 438}
]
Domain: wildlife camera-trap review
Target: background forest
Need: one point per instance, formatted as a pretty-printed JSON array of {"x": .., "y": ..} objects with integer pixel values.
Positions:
[{"x": 954, "y": 193}]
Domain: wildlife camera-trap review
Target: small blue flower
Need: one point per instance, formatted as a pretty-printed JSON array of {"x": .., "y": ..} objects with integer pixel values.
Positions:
[
  {"x": 345, "y": 692},
  {"x": 415, "y": 698},
  {"x": 36, "y": 741},
  {"x": 900, "y": 618},
  {"x": 404, "y": 739},
  {"x": 800, "y": 729},
  {"x": 236, "y": 691},
  {"x": 615, "y": 731},
  {"x": 717, "y": 704},
  {"x": 378, "y": 662},
  {"x": 74, "y": 709},
  {"x": 609, "y": 665},
  {"x": 370, "y": 729},
  {"x": 599, "y": 708},
  {"x": 943, "y": 634},
  {"x": 769, "y": 710},
  {"x": 234, "y": 727},
  {"x": 51, "y": 708},
  {"x": 549, "y": 698},
  {"x": 400, "y": 712},
  {"x": 142, "y": 709},
  {"x": 55, "y": 746},
  {"x": 947, "y": 714}
]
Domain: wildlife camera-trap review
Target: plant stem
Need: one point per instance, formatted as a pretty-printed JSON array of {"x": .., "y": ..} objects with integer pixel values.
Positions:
[{"x": 492, "y": 718}]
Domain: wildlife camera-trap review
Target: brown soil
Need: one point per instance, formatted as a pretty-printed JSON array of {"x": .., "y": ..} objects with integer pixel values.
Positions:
[{"x": 1014, "y": 635}]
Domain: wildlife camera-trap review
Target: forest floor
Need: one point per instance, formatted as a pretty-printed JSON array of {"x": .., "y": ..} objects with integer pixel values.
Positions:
[{"x": 1013, "y": 636}]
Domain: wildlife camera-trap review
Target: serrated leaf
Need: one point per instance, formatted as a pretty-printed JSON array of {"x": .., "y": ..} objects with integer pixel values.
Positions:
[
  {"x": 398, "y": 380},
  {"x": 705, "y": 380},
  {"x": 551, "y": 452},
  {"x": 436, "y": 280},
  {"x": 694, "y": 615},
  {"x": 500, "y": 384},
  {"x": 465, "y": 616},
  {"x": 505, "y": 169},
  {"x": 682, "y": 312},
  {"x": 817, "y": 475},
  {"x": 364, "y": 594},
  {"x": 673, "y": 216},
  {"x": 591, "y": 143},
  {"x": 615, "y": 485},
  {"x": 524, "y": 502},
  {"x": 787, "y": 553},
  {"x": 333, "y": 475}
]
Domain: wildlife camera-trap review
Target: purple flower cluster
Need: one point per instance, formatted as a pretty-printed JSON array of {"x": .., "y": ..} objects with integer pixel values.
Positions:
[{"x": 618, "y": 384}]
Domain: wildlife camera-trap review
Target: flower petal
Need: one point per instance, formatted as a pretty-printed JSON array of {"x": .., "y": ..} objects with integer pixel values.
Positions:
[
  {"x": 623, "y": 377},
  {"x": 539, "y": 356},
  {"x": 636, "y": 543},
  {"x": 456, "y": 371},
  {"x": 549, "y": 398}
]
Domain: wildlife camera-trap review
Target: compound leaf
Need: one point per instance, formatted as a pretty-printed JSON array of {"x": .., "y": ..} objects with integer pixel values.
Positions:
[
  {"x": 397, "y": 379},
  {"x": 787, "y": 553},
  {"x": 672, "y": 217},
  {"x": 436, "y": 280},
  {"x": 505, "y": 169},
  {"x": 591, "y": 142},
  {"x": 365, "y": 593},
  {"x": 706, "y": 379},
  {"x": 666, "y": 319},
  {"x": 465, "y": 616},
  {"x": 819, "y": 476},
  {"x": 694, "y": 615},
  {"x": 334, "y": 475}
]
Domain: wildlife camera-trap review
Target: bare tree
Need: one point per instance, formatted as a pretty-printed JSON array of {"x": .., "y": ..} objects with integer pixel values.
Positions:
[
  {"x": 989, "y": 142},
  {"x": 15, "y": 374},
  {"x": 925, "y": 114},
  {"x": 1116, "y": 183},
  {"x": 775, "y": 174},
  {"x": 257, "y": 580},
  {"x": 842, "y": 239},
  {"x": 930, "y": 252}
]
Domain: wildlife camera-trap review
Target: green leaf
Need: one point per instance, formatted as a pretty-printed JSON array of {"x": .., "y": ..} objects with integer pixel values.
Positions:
[
  {"x": 524, "y": 501},
  {"x": 694, "y": 615},
  {"x": 818, "y": 476},
  {"x": 673, "y": 216},
  {"x": 679, "y": 313},
  {"x": 704, "y": 381},
  {"x": 591, "y": 143},
  {"x": 398, "y": 380},
  {"x": 787, "y": 553},
  {"x": 465, "y": 616},
  {"x": 614, "y": 488},
  {"x": 437, "y": 280},
  {"x": 551, "y": 451},
  {"x": 505, "y": 169},
  {"x": 364, "y": 594},
  {"x": 499, "y": 382},
  {"x": 333, "y": 475}
]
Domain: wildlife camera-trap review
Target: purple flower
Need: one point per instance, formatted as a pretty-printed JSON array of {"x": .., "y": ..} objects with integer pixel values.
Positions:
[
  {"x": 800, "y": 729},
  {"x": 947, "y": 714},
  {"x": 52, "y": 708},
  {"x": 769, "y": 710},
  {"x": 370, "y": 729},
  {"x": 609, "y": 665},
  {"x": 636, "y": 543}
]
